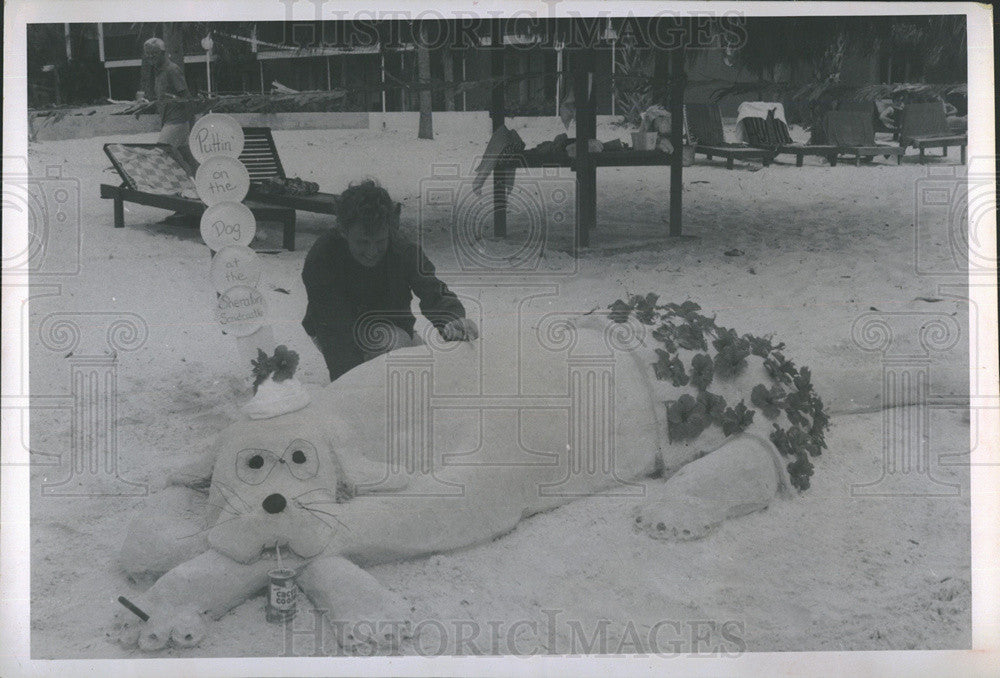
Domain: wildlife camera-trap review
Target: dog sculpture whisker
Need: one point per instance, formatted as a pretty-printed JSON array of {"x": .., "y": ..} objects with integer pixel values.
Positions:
[
  {"x": 312, "y": 511},
  {"x": 315, "y": 489},
  {"x": 210, "y": 528},
  {"x": 227, "y": 509},
  {"x": 223, "y": 489}
]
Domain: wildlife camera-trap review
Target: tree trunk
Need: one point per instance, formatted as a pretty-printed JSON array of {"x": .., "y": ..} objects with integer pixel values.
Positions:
[
  {"x": 426, "y": 130},
  {"x": 449, "y": 76}
]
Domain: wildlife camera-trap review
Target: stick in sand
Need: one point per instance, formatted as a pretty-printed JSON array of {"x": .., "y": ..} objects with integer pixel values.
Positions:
[
  {"x": 278, "y": 551},
  {"x": 130, "y": 606}
]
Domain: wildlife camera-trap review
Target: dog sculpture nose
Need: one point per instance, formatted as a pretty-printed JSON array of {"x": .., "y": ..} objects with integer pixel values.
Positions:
[{"x": 274, "y": 503}]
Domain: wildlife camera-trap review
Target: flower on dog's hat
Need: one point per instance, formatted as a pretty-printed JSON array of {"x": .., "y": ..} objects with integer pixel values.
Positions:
[{"x": 276, "y": 390}]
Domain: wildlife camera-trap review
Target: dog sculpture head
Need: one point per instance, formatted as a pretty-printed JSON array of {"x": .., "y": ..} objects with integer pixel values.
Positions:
[{"x": 275, "y": 482}]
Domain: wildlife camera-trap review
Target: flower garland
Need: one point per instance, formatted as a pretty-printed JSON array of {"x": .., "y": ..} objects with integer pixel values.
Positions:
[{"x": 681, "y": 326}]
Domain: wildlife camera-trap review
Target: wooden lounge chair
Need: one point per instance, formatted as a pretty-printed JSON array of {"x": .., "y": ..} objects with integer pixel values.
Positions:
[
  {"x": 260, "y": 156},
  {"x": 153, "y": 175},
  {"x": 705, "y": 125},
  {"x": 848, "y": 132},
  {"x": 926, "y": 126},
  {"x": 852, "y": 132}
]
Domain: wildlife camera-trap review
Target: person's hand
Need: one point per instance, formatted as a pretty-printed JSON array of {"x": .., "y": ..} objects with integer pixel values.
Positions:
[{"x": 460, "y": 329}]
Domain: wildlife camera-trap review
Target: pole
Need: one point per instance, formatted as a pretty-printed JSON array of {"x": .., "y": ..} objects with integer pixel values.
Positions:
[
  {"x": 261, "y": 63},
  {"x": 614, "y": 87},
  {"x": 100, "y": 41},
  {"x": 497, "y": 114},
  {"x": 677, "y": 78},
  {"x": 208, "y": 69},
  {"x": 464, "y": 101},
  {"x": 69, "y": 42},
  {"x": 586, "y": 129},
  {"x": 559, "y": 66},
  {"x": 382, "y": 72}
]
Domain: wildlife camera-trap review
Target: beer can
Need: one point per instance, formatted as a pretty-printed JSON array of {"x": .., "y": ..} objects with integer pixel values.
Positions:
[{"x": 281, "y": 595}]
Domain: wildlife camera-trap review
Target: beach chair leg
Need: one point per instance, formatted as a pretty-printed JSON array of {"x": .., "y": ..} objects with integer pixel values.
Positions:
[
  {"x": 899, "y": 158},
  {"x": 922, "y": 159},
  {"x": 729, "y": 162},
  {"x": 708, "y": 156},
  {"x": 119, "y": 213},
  {"x": 962, "y": 154},
  {"x": 766, "y": 160},
  {"x": 833, "y": 160},
  {"x": 288, "y": 236},
  {"x": 857, "y": 161},
  {"x": 798, "y": 160}
]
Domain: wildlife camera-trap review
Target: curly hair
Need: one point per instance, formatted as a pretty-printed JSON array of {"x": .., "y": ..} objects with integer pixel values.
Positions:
[{"x": 367, "y": 204}]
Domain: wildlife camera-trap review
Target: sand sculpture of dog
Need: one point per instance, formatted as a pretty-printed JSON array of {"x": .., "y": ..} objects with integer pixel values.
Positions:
[{"x": 431, "y": 449}]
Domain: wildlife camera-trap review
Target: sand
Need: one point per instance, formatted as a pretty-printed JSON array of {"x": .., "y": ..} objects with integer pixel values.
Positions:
[{"x": 799, "y": 252}]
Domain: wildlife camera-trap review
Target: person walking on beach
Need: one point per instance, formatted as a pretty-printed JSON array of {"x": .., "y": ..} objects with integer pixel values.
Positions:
[{"x": 169, "y": 89}]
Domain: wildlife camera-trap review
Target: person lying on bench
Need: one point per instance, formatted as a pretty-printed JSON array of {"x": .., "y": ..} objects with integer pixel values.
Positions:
[{"x": 360, "y": 278}]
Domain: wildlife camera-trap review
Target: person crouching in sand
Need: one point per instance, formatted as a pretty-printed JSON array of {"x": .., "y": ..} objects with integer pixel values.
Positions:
[{"x": 360, "y": 279}]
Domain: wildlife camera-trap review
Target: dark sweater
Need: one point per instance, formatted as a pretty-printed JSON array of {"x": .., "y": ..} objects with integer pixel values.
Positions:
[{"x": 340, "y": 290}]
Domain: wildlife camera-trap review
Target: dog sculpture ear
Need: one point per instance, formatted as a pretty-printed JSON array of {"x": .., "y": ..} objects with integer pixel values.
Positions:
[
  {"x": 196, "y": 470},
  {"x": 361, "y": 475}
]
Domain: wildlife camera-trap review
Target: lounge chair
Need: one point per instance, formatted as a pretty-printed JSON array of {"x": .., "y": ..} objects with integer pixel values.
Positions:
[
  {"x": 705, "y": 125},
  {"x": 153, "y": 175},
  {"x": 926, "y": 126},
  {"x": 852, "y": 132},
  {"x": 771, "y": 132},
  {"x": 260, "y": 156},
  {"x": 847, "y": 132}
]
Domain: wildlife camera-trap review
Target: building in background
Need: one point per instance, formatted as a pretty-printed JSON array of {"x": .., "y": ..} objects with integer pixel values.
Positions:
[{"x": 373, "y": 64}]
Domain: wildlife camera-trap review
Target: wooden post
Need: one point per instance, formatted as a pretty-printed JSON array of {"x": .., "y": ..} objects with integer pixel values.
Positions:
[
  {"x": 382, "y": 73},
  {"x": 100, "y": 42},
  {"x": 497, "y": 114},
  {"x": 559, "y": 67},
  {"x": 586, "y": 129},
  {"x": 465, "y": 53},
  {"x": 448, "y": 66},
  {"x": 677, "y": 78}
]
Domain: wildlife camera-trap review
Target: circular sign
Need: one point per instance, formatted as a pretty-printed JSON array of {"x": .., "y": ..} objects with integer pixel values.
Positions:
[
  {"x": 234, "y": 266},
  {"x": 221, "y": 179},
  {"x": 241, "y": 311},
  {"x": 216, "y": 135},
  {"x": 227, "y": 224}
]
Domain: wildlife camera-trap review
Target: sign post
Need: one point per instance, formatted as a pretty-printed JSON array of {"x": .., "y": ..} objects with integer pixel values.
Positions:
[{"x": 228, "y": 227}]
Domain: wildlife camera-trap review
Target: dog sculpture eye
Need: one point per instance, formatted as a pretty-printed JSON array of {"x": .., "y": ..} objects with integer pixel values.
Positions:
[
  {"x": 304, "y": 462},
  {"x": 253, "y": 466}
]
